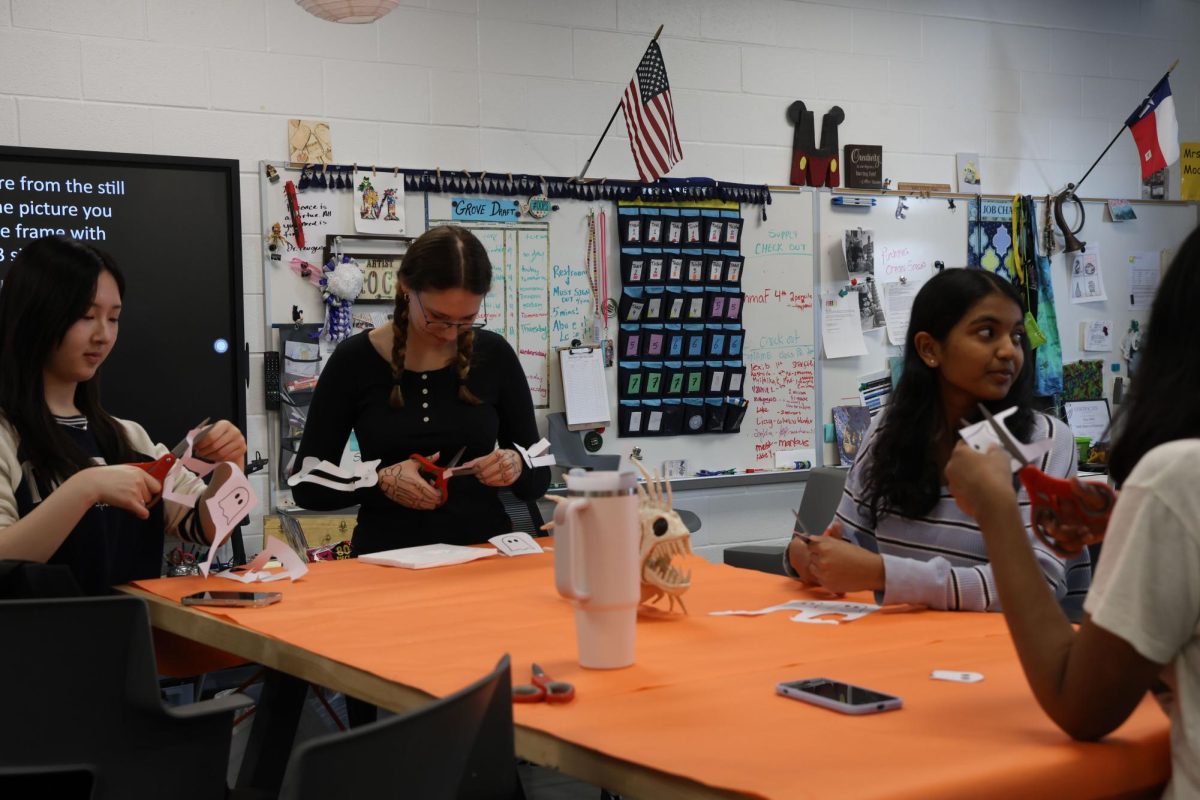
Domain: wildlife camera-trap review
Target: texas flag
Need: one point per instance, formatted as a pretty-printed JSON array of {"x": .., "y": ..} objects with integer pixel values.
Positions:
[{"x": 1155, "y": 130}]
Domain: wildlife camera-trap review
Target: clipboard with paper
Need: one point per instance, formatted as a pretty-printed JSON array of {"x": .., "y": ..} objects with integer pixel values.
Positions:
[{"x": 585, "y": 390}]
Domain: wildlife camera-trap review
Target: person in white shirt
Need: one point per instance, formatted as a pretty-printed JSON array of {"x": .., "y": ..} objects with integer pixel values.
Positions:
[{"x": 1141, "y": 630}]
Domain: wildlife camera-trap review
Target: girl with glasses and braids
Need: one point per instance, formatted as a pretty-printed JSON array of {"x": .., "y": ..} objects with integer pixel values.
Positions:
[{"x": 430, "y": 383}]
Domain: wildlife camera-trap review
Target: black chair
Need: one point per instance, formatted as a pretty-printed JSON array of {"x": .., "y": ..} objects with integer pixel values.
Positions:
[
  {"x": 460, "y": 746},
  {"x": 822, "y": 493},
  {"x": 524, "y": 515},
  {"x": 82, "y": 708}
]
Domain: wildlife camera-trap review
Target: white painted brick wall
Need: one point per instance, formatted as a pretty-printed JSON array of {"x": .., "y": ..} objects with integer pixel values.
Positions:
[{"x": 1036, "y": 87}]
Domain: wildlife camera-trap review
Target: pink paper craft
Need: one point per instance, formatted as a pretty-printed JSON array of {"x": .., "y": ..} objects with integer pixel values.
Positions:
[{"x": 229, "y": 506}]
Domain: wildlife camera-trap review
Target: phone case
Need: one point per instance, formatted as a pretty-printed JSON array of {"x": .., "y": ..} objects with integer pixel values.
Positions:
[{"x": 888, "y": 704}]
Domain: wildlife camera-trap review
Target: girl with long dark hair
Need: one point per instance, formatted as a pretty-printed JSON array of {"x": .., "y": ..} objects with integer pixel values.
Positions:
[
  {"x": 67, "y": 494},
  {"x": 431, "y": 382},
  {"x": 897, "y": 530},
  {"x": 1141, "y": 629}
]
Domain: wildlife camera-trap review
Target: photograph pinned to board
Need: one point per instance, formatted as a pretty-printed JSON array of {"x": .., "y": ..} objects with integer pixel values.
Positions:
[
  {"x": 1087, "y": 284},
  {"x": 841, "y": 328},
  {"x": 379, "y": 205},
  {"x": 310, "y": 141},
  {"x": 858, "y": 247},
  {"x": 850, "y": 425},
  {"x": 969, "y": 179},
  {"x": 1095, "y": 335},
  {"x": 1144, "y": 272},
  {"x": 1154, "y": 187},
  {"x": 1121, "y": 211},
  {"x": 870, "y": 308}
]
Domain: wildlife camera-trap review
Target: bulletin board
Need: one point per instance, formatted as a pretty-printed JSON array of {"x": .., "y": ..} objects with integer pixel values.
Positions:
[{"x": 541, "y": 300}]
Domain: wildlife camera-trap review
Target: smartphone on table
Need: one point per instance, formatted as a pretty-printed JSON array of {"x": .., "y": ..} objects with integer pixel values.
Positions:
[
  {"x": 844, "y": 697},
  {"x": 241, "y": 599}
]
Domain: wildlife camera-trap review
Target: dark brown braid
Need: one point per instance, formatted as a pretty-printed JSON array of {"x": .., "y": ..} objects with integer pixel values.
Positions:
[
  {"x": 466, "y": 345},
  {"x": 399, "y": 340}
]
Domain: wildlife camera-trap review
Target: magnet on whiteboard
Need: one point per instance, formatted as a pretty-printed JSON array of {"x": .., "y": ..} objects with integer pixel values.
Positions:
[
  {"x": 829, "y": 432},
  {"x": 956, "y": 676}
]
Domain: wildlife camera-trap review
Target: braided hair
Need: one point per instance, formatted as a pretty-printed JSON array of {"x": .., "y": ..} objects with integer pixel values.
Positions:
[{"x": 445, "y": 257}]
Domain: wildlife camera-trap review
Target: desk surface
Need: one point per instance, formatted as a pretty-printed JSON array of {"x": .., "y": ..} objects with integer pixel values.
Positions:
[{"x": 696, "y": 716}]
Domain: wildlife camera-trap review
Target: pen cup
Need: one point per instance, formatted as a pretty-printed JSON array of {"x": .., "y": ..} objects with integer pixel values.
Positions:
[
  {"x": 1083, "y": 444},
  {"x": 596, "y": 556}
]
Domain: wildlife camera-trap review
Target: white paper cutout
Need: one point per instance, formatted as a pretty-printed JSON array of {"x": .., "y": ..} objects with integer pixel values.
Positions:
[
  {"x": 231, "y": 503},
  {"x": 956, "y": 676},
  {"x": 810, "y": 611},
  {"x": 293, "y": 565},
  {"x": 196, "y": 465},
  {"x": 982, "y": 437},
  {"x": 324, "y": 473},
  {"x": 170, "y": 492},
  {"x": 516, "y": 543},
  {"x": 534, "y": 455}
]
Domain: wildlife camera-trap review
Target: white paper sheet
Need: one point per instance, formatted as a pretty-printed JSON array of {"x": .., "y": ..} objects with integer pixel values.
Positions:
[
  {"x": 1096, "y": 335},
  {"x": 897, "y": 308},
  {"x": 1144, "y": 273},
  {"x": 1087, "y": 283},
  {"x": 427, "y": 556},
  {"x": 584, "y": 387},
  {"x": 811, "y": 611},
  {"x": 841, "y": 325}
]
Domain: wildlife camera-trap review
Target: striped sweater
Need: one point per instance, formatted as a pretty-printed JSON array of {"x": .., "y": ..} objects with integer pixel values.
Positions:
[{"x": 939, "y": 559}]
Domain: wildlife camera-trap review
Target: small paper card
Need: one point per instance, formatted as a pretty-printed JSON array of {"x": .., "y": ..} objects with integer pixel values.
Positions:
[{"x": 427, "y": 556}]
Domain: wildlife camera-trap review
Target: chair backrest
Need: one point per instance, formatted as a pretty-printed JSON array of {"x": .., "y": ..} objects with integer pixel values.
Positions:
[
  {"x": 82, "y": 693},
  {"x": 822, "y": 493},
  {"x": 460, "y": 746},
  {"x": 525, "y": 516}
]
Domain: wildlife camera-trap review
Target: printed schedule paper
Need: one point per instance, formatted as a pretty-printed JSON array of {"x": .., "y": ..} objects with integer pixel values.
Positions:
[{"x": 584, "y": 387}]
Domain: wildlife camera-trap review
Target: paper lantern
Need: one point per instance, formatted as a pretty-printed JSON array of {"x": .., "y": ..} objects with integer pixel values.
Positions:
[{"x": 352, "y": 11}]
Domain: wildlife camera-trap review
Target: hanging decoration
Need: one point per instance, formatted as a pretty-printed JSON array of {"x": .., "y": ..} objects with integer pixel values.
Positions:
[
  {"x": 341, "y": 283},
  {"x": 354, "y": 12}
]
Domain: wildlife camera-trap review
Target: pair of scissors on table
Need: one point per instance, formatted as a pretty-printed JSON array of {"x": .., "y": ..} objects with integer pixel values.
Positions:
[
  {"x": 1067, "y": 514},
  {"x": 543, "y": 690},
  {"x": 439, "y": 474}
]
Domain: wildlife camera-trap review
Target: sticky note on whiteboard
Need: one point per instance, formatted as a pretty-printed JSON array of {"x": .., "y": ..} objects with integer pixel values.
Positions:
[{"x": 788, "y": 459}]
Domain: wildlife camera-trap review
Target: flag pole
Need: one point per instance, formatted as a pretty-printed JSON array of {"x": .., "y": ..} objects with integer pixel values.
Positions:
[
  {"x": 616, "y": 110},
  {"x": 1072, "y": 187}
]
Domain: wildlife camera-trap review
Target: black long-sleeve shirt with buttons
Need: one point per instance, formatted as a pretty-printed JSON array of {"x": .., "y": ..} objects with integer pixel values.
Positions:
[{"x": 352, "y": 394}]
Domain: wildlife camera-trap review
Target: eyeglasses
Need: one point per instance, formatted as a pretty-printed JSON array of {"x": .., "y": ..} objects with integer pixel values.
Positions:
[{"x": 440, "y": 326}]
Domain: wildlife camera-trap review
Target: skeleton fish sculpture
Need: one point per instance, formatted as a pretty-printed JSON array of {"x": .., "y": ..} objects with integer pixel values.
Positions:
[{"x": 663, "y": 537}]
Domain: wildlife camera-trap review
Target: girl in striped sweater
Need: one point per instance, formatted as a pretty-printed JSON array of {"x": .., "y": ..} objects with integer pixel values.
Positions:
[{"x": 897, "y": 530}]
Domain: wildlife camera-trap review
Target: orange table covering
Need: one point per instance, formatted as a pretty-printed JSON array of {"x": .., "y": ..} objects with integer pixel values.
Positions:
[{"x": 700, "y": 701}]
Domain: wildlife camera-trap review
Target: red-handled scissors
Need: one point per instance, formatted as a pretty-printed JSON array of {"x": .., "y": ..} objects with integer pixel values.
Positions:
[
  {"x": 159, "y": 467},
  {"x": 543, "y": 690},
  {"x": 1066, "y": 514},
  {"x": 439, "y": 474}
]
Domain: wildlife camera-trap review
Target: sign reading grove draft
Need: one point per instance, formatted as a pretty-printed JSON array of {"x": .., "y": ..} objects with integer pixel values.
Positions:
[{"x": 864, "y": 166}]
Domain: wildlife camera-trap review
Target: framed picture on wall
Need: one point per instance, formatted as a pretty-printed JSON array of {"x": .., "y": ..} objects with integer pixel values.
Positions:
[
  {"x": 1088, "y": 418},
  {"x": 379, "y": 258}
]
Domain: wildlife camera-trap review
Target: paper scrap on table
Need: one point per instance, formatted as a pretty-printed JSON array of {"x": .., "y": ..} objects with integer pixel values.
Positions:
[
  {"x": 841, "y": 325},
  {"x": 516, "y": 543},
  {"x": 293, "y": 565},
  {"x": 897, "y": 308},
  {"x": 331, "y": 476},
  {"x": 1144, "y": 272},
  {"x": 1087, "y": 284},
  {"x": 427, "y": 555},
  {"x": 1096, "y": 335},
  {"x": 811, "y": 611},
  {"x": 232, "y": 503}
]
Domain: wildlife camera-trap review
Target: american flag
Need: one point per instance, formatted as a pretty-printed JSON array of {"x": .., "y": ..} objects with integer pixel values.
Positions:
[{"x": 650, "y": 118}]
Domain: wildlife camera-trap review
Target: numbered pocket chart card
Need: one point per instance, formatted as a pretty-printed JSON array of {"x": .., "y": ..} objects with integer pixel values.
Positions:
[{"x": 680, "y": 336}]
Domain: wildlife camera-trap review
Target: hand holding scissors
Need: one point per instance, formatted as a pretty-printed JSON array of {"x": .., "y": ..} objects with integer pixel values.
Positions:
[
  {"x": 1066, "y": 514},
  {"x": 437, "y": 474},
  {"x": 543, "y": 690},
  {"x": 159, "y": 467}
]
